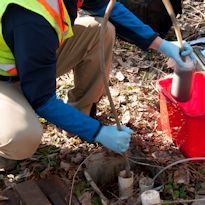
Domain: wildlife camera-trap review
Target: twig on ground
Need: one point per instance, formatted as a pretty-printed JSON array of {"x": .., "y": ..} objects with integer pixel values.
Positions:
[
  {"x": 3, "y": 198},
  {"x": 118, "y": 200},
  {"x": 104, "y": 200},
  {"x": 144, "y": 164},
  {"x": 183, "y": 201},
  {"x": 155, "y": 89},
  {"x": 196, "y": 10},
  {"x": 73, "y": 181},
  {"x": 186, "y": 160},
  {"x": 193, "y": 15},
  {"x": 158, "y": 70}
]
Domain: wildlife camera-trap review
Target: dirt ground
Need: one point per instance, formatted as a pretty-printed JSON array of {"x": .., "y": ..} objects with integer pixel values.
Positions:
[{"x": 133, "y": 87}]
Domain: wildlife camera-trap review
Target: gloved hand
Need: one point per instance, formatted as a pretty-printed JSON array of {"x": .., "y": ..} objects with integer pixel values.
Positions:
[
  {"x": 112, "y": 138},
  {"x": 172, "y": 50}
]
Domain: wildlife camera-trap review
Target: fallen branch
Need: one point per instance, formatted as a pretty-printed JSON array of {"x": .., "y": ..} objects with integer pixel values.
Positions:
[
  {"x": 196, "y": 10},
  {"x": 183, "y": 201},
  {"x": 73, "y": 181},
  {"x": 104, "y": 200},
  {"x": 3, "y": 198},
  {"x": 144, "y": 164}
]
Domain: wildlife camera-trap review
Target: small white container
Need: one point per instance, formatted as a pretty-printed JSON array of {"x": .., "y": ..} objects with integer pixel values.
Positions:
[
  {"x": 125, "y": 185},
  {"x": 150, "y": 197}
]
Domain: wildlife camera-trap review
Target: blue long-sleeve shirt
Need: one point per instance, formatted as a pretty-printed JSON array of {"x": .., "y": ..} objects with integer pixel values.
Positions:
[
  {"x": 34, "y": 42},
  {"x": 128, "y": 26}
]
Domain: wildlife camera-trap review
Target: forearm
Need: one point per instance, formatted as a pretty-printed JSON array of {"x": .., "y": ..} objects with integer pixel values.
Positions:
[
  {"x": 34, "y": 49},
  {"x": 156, "y": 43},
  {"x": 69, "y": 118},
  {"x": 128, "y": 26}
]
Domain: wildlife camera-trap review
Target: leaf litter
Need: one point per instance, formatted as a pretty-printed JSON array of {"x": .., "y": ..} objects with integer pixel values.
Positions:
[{"x": 132, "y": 83}]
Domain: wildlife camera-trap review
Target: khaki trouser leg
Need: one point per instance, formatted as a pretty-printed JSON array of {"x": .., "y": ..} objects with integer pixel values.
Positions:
[
  {"x": 20, "y": 130},
  {"x": 81, "y": 53}
]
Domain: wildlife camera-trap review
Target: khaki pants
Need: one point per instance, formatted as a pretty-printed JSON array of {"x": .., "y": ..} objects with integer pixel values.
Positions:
[{"x": 20, "y": 130}]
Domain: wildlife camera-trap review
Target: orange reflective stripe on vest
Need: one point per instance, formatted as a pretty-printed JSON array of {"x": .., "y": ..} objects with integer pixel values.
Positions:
[
  {"x": 13, "y": 71},
  {"x": 56, "y": 11},
  {"x": 62, "y": 15},
  {"x": 10, "y": 69}
]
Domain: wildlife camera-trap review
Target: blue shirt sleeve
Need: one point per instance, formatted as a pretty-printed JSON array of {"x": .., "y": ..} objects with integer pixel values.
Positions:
[
  {"x": 69, "y": 118},
  {"x": 34, "y": 42},
  {"x": 128, "y": 26}
]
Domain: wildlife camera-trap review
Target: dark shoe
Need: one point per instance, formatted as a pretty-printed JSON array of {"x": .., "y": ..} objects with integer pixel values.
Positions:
[
  {"x": 93, "y": 111},
  {"x": 7, "y": 164}
]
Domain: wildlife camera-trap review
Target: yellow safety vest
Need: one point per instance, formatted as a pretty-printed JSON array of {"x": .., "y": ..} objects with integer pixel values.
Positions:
[{"x": 53, "y": 11}]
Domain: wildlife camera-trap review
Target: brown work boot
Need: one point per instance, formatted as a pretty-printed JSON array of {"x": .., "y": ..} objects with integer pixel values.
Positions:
[{"x": 7, "y": 164}]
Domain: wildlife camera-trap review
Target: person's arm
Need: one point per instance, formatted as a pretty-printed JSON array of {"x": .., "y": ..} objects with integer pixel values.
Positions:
[
  {"x": 128, "y": 26},
  {"x": 133, "y": 30},
  {"x": 156, "y": 43},
  {"x": 34, "y": 42}
]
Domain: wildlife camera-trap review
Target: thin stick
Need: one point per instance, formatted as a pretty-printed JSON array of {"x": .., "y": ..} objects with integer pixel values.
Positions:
[
  {"x": 145, "y": 164},
  {"x": 158, "y": 70},
  {"x": 104, "y": 200},
  {"x": 73, "y": 181},
  {"x": 171, "y": 13},
  {"x": 102, "y": 67},
  {"x": 183, "y": 201},
  {"x": 178, "y": 162},
  {"x": 3, "y": 198},
  {"x": 196, "y": 10}
]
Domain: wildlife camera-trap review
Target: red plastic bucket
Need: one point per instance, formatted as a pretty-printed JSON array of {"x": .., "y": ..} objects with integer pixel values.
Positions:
[{"x": 184, "y": 122}]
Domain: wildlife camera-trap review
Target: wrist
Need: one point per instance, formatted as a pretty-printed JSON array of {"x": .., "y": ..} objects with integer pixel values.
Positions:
[
  {"x": 156, "y": 43},
  {"x": 95, "y": 137}
]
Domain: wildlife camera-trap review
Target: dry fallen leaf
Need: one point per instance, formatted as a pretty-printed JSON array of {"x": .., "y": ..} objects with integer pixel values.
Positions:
[
  {"x": 77, "y": 159},
  {"x": 120, "y": 76},
  {"x": 126, "y": 117},
  {"x": 65, "y": 166},
  {"x": 182, "y": 176}
]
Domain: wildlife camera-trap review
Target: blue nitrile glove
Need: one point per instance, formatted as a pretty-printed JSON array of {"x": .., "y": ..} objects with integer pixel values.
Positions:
[
  {"x": 172, "y": 50},
  {"x": 112, "y": 138}
]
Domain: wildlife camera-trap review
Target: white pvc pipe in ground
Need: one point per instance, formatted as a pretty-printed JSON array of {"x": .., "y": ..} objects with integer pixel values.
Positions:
[
  {"x": 150, "y": 197},
  {"x": 125, "y": 185}
]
